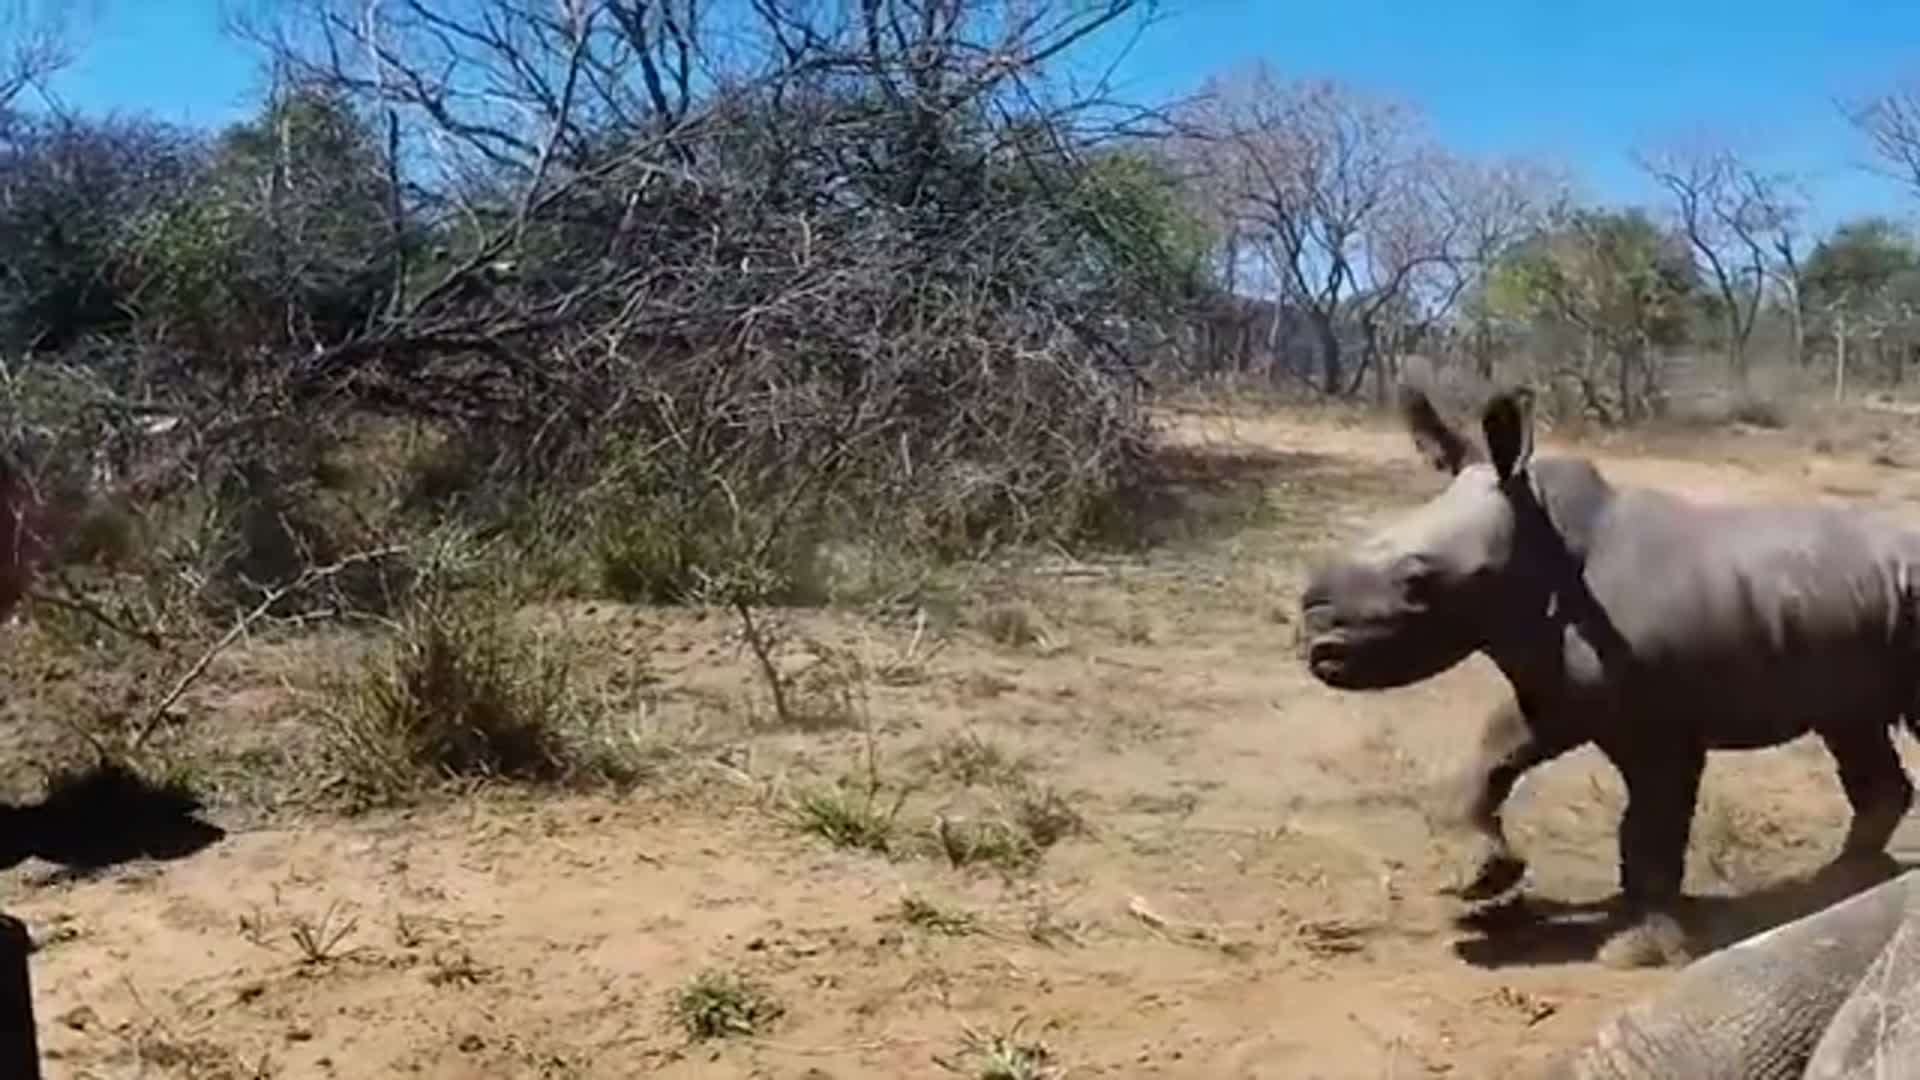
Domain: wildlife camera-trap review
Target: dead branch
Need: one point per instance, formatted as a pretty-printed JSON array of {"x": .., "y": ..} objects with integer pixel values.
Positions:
[{"x": 270, "y": 598}]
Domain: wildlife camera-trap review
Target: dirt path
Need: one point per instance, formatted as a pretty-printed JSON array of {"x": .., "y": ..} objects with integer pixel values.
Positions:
[{"x": 1255, "y": 896}]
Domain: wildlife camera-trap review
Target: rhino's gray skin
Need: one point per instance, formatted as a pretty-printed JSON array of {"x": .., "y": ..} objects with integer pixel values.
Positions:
[
  {"x": 1655, "y": 628},
  {"x": 1831, "y": 996}
]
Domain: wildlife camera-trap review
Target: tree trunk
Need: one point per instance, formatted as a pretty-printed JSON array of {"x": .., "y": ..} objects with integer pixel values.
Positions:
[
  {"x": 1840, "y": 356},
  {"x": 1483, "y": 349},
  {"x": 1385, "y": 370},
  {"x": 1797, "y": 320},
  {"x": 1652, "y": 401},
  {"x": 1622, "y": 372},
  {"x": 1332, "y": 368},
  {"x": 1736, "y": 354}
]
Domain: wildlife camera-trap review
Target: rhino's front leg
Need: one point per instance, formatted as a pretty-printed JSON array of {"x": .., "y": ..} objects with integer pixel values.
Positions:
[
  {"x": 1663, "y": 785},
  {"x": 1510, "y": 744}
]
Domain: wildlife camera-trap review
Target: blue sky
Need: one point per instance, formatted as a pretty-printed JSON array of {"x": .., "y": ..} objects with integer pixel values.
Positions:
[{"x": 1581, "y": 83}]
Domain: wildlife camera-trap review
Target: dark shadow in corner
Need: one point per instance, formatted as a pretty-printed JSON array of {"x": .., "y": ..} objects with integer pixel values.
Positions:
[
  {"x": 101, "y": 815},
  {"x": 1528, "y": 930}
]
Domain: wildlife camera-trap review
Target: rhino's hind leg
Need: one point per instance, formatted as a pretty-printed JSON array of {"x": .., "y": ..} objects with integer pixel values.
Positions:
[
  {"x": 1877, "y": 786},
  {"x": 1509, "y": 746}
]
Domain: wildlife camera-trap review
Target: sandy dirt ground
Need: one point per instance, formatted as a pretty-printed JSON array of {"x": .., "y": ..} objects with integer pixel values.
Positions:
[{"x": 1254, "y": 893}]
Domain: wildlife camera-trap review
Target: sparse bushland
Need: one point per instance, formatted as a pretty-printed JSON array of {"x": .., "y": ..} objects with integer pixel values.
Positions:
[
  {"x": 336, "y": 367},
  {"x": 258, "y": 352},
  {"x": 800, "y": 331},
  {"x": 511, "y": 399}
]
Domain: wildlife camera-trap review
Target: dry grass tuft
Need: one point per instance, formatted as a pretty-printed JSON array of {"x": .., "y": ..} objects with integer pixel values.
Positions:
[
  {"x": 461, "y": 693},
  {"x": 721, "y": 1004},
  {"x": 1001, "y": 1055}
]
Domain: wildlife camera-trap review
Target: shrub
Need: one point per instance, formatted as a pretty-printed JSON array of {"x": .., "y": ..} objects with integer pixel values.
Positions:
[{"x": 459, "y": 692}]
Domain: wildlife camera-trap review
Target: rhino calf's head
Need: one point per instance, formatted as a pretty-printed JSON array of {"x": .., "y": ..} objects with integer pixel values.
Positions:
[{"x": 1415, "y": 598}]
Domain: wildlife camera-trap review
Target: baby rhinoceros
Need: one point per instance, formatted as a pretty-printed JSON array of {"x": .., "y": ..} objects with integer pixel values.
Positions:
[{"x": 1655, "y": 628}]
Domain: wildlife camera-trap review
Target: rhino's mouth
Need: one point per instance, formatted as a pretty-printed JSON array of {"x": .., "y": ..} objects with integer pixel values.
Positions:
[
  {"x": 1374, "y": 658},
  {"x": 1334, "y": 661},
  {"x": 1326, "y": 657}
]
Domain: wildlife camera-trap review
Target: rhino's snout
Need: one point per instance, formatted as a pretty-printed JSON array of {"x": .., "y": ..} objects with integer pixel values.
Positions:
[
  {"x": 1317, "y": 617},
  {"x": 1321, "y": 642},
  {"x": 1360, "y": 631}
]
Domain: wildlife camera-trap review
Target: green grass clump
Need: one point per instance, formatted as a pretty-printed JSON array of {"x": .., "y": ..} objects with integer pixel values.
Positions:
[{"x": 720, "y": 1004}]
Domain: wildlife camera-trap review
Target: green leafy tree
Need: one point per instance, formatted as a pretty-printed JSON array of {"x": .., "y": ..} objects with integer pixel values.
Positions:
[
  {"x": 1137, "y": 212},
  {"x": 282, "y": 236},
  {"x": 1861, "y": 259},
  {"x": 1863, "y": 289},
  {"x": 311, "y": 182},
  {"x": 72, "y": 193},
  {"x": 1620, "y": 281}
]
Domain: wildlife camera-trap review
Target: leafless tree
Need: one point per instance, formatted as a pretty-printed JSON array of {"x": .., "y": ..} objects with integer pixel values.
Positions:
[
  {"x": 1311, "y": 169},
  {"x": 1735, "y": 219},
  {"x": 1487, "y": 207},
  {"x": 1788, "y": 272},
  {"x": 1368, "y": 229},
  {"x": 34, "y": 44},
  {"x": 1890, "y": 122}
]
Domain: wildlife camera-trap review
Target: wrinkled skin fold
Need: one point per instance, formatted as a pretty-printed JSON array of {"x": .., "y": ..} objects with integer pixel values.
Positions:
[
  {"x": 1834, "y": 995},
  {"x": 1654, "y": 628}
]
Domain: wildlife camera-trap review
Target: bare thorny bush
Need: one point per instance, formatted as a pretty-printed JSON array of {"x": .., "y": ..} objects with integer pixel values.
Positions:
[
  {"x": 707, "y": 299},
  {"x": 842, "y": 272}
]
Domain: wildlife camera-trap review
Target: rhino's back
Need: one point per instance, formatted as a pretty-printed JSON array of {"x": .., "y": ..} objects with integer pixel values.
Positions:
[{"x": 1773, "y": 614}]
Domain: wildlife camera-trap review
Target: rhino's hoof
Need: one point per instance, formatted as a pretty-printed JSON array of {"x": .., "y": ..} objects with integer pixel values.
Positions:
[
  {"x": 1653, "y": 940},
  {"x": 1496, "y": 875}
]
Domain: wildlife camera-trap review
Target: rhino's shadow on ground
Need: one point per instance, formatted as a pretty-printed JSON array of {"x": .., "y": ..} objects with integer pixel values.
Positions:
[
  {"x": 1532, "y": 930},
  {"x": 101, "y": 816}
]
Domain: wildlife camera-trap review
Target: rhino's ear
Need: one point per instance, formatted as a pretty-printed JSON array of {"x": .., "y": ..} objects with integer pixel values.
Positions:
[
  {"x": 1508, "y": 424},
  {"x": 1443, "y": 447}
]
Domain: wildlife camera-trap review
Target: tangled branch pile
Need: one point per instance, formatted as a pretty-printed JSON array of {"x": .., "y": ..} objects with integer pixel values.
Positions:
[{"x": 703, "y": 288}]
